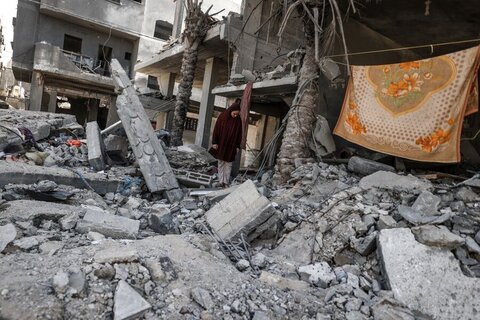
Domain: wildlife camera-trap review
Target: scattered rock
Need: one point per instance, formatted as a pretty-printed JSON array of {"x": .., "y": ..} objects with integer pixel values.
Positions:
[
  {"x": 466, "y": 194},
  {"x": 281, "y": 282},
  {"x": 242, "y": 264},
  {"x": 319, "y": 274},
  {"x": 365, "y": 167},
  {"x": 163, "y": 223},
  {"x": 8, "y": 233},
  {"x": 129, "y": 304},
  {"x": 26, "y": 243},
  {"x": 386, "y": 222},
  {"x": 437, "y": 236},
  {"x": 472, "y": 246},
  {"x": 202, "y": 297},
  {"x": 393, "y": 181}
]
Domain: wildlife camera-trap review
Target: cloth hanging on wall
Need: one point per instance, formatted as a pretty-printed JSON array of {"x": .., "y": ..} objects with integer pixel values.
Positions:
[
  {"x": 244, "y": 112},
  {"x": 414, "y": 109}
]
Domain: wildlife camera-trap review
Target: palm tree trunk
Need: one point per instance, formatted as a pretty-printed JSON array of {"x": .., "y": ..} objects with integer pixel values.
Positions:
[
  {"x": 298, "y": 132},
  {"x": 189, "y": 63}
]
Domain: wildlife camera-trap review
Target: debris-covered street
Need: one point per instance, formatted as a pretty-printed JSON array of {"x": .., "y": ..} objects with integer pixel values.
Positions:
[{"x": 184, "y": 176}]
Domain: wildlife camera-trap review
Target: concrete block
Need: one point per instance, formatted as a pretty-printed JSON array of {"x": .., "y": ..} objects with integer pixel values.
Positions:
[
  {"x": 365, "y": 166},
  {"x": 116, "y": 148},
  {"x": 437, "y": 236},
  {"x": 426, "y": 279},
  {"x": 96, "y": 149},
  {"x": 108, "y": 224},
  {"x": 151, "y": 158},
  {"x": 281, "y": 282},
  {"x": 22, "y": 173},
  {"x": 8, "y": 233},
  {"x": 393, "y": 181},
  {"x": 116, "y": 255},
  {"x": 128, "y": 303},
  {"x": 240, "y": 212}
]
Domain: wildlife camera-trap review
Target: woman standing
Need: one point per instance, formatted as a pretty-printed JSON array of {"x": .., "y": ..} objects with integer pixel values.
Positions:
[{"x": 226, "y": 139}]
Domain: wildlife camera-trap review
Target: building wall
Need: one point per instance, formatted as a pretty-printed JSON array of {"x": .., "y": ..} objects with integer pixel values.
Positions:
[
  {"x": 127, "y": 15},
  {"x": 53, "y": 30}
]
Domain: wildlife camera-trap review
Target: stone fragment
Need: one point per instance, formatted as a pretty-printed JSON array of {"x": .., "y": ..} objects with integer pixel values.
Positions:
[
  {"x": 366, "y": 245},
  {"x": 115, "y": 255},
  {"x": 108, "y": 224},
  {"x": 95, "y": 236},
  {"x": 156, "y": 271},
  {"x": 240, "y": 212},
  {"x": 105, "y": 272},
  {"x": 386, "y": 222},
  {"x": 262, "y": 315},
  {"x": 242, "y": 264},
  {"x": 388, "y": 309},
  {"x": 60, "y": 281},
  {"x": 22, "y": 173},
  {"x": 281, "y": 282},
  {"x": 466, "y": 194},
  {"x": 202, "y": 297},
  {"x": 477, "y": 237},
  {"x": 77, "y": 282},
  {"x": 297, "y": 245},
  {"x": 116, "y": 148},
  {"x": 365, "y": 166},
  {"x": 8, "y": 233},
  {"x": 413, "y": 269},
  {"x": 427, "y": 202},
  {"x": 472, "y": 246},
  {"x": 437, "y": 236},
  {"x": 259, "y": 260},
  {"x": 393, "y": 181},
  {"x": 26, "y": 243},
  {"x": 69, "y": 221},
  {"x": 319, "y": 274},
  {"x": 50, "y": 247},
  {"x": 46, "y": 186},
  {"x": 418, "y": 218},
  {"x": 128, "y": 303},
  {"x": 163, "y": 223}
]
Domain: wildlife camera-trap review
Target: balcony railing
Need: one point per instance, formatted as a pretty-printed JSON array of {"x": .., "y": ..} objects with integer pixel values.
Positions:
[{"x": 88, "y": 64}]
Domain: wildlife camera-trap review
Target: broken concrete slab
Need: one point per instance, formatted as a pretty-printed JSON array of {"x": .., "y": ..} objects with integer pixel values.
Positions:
[
  {"x": 202, "y": 297},
  {"x": 116, "y": 255},
  {"x": 240, "y": 212},
  {"x": 365, "y": 245},
  {"x": 365, "y": 166},
  {"x": 318, "y": 274},
  {"x": 8, "y": 233},
  {"x": 437, "y": 236},
  {"x": 96, "y": 148},
  {"x": 220, "y": 194},
  {"x": 427, "y": 279},
  {"x": 116, "y": 148},
  {"x": 282, "y": 282},
  {"x": 418, "y": 218},
  {"x": 389, "y": 309},
  {"x": 467, "y": 195},
  {"x": 149, "y": 153},
  {"x": 22, "y": 173},
  {"x": 36, "y": 211},
  {"x": 163, "y": 222},
  {"x": 109, "y": 225},
  {"x": 427, "y": 202},
  {"x": 128, "y": 303},
  {"x": 393, "y": 181}
]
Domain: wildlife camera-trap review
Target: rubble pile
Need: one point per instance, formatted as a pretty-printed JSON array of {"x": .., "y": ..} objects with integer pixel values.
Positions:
[{"x": 356, "y": 241}]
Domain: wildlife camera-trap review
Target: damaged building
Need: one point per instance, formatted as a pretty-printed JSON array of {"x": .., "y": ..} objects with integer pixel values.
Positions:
[{"x": 101, "y": 217}]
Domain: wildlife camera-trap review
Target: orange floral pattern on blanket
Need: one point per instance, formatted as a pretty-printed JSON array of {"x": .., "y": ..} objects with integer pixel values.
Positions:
[{"x": 412, "y": 109}]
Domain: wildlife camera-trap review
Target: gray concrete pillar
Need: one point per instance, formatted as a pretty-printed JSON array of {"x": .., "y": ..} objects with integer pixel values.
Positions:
[
  {"x": 112, "y": 116},
  {"x": 178, "y": 19},
  {"x": 170, "y": 88},
  {"x": 36, "y": 91},
  {"x": 205, "y": 116},
  {"x": 52, "y": 103}
]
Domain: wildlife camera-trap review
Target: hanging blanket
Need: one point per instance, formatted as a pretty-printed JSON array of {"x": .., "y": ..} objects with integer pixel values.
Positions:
[{"x": 413, "y": 110}]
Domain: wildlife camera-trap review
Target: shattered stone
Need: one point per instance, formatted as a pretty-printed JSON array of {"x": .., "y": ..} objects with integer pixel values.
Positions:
[
  {"x": 242, "y": 264},
  {"x": 477, "y": 237},
  {"x": 412, "y": 269},
  {"x": 472, "y": 246},
  {"x": 129, "y": 304},
  {"x": 393, "y": 181},
  {"x": 438, "y": 236},
  {"x": 319, "y": 274},
  {"x": 366, "y": 245},
  {"x": 116, "y": 148},
  {"x": 366, "y": 167},
  {"x": 8, "y": 233},
  {"x": 95, "y": 236},
  {"x": 50, "y": 247},
  {"x": 282, "y": 282},
  {"x": 69, "y": 221},
  {"x": 388, "y": 309},
  {"x": 60, "y": 281},
  {"x": 116, "y": 255},
  {"x": 26, "y": 243},
  {"x": 163, "y": 223},
  {"x": 240, "y": 212},
  {"x": 386, "y": 222},
  {"x": 108, "y": 224},
  {"x": 202, "y": 297},
  {"x": 259, "y": 260},
  {"x": 467, "y": 195}
]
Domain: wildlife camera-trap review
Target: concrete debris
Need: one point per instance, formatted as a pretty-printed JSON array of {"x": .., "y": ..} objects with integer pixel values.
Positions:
[
  {"x": 96, "y": 148},
  {"x": 465, "y": 194},
  {"x": 318, "y": 274},
  {"x": 116, "y": 148},
  {"x": 433, "y": 271},
  {"x": 437, "y": 236},
  {"x": 17, "y": 173},
  {"x": 163, "y": 222},
  {"x": 393, "y": 181},
  {"x": 283, "y": 283},
  {"x": 366, "y": 167},
  {"x": 129, "y": 304},
  {"x": 8, "y": 233},
  {"x": 389, "y": 309},
  {"x": 37, "y": 211},
  {"x": 149, "y": 153},
  {"x": 109, "y": 225},
  {"x": 202, "y": 297},
  {"x": 240, "y": 212}
]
